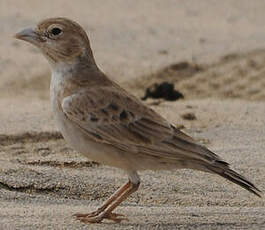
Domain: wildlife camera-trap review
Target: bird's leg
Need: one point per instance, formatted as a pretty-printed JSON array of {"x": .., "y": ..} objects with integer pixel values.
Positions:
[
  {"x": 108, "y": 214},
  {"x": 113, "y": 197},
  {"x": 105, "y": 211}
]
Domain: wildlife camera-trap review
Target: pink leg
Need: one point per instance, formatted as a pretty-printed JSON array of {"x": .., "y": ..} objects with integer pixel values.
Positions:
[{"x": 105, "y": 211}]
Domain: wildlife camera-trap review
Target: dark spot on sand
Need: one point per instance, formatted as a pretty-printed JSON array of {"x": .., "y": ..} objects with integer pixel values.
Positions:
[
  {"x": 164, "y": 90},
  {"x": 189, "y": 116}
]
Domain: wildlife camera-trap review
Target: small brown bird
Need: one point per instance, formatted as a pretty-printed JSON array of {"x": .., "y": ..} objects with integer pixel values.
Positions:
[{"x": 107, "y": 124}]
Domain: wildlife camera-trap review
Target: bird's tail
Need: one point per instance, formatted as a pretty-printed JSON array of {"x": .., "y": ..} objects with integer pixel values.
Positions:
[
  {"x": 200, "y": 158},
  {"x": 222, "y": 168}
]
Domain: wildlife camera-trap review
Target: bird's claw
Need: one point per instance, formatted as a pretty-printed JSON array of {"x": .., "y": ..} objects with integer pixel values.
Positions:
[
  {"x": 96, "y": 217},
  {"x": 116, "y": 217},
  {"x": 84, "y": 215}
]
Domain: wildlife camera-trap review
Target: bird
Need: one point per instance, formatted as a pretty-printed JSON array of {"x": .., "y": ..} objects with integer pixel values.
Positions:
[{"x": 107, "y": 124}]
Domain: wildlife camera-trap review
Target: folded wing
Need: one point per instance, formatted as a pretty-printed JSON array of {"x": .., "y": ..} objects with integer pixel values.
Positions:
[{"x": 121, "y": 120}]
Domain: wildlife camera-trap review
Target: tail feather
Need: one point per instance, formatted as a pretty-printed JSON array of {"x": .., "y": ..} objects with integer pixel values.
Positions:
[
  {"x": 200, "y": 158},
  {"x": 222, "y": 169}
]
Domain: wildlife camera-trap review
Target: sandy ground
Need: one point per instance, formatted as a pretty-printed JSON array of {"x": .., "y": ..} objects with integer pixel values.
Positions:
[{"x": 213, "y": 51}]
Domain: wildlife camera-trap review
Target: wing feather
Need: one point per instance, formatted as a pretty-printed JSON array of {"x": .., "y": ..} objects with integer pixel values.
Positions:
[{"x": 121, "y": 120}]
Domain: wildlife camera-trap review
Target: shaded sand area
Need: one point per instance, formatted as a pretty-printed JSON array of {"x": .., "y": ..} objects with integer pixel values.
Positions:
[{"x": 215, "y": 57}]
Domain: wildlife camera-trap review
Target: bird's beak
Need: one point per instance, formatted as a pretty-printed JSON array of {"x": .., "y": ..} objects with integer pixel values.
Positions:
[{"x": 28, "y": 35}]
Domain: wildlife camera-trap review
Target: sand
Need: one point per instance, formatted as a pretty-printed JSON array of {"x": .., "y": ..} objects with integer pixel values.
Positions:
[{"x": 214, "y": 53}]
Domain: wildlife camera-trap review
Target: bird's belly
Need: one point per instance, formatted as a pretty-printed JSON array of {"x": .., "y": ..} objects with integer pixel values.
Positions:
[
  {"x": 107, "y": 154},
  {"x": 79, "y": 141}
]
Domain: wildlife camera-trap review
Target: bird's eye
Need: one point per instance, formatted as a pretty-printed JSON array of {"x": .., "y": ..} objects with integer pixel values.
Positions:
[{"x": 56, "y": 31}]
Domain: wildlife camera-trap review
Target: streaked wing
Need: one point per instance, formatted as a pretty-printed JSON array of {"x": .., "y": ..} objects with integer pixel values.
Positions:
[{"x": 121, "y": 120}]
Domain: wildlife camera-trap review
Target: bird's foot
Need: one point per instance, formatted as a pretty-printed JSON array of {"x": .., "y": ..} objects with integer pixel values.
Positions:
[
  {"x": 85, "y": 215},
  {"x": 97, "y": 217}
]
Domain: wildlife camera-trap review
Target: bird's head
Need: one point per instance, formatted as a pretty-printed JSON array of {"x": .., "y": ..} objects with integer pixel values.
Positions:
[{"x": 61, "y": 40}]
